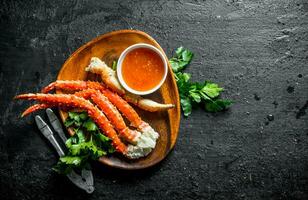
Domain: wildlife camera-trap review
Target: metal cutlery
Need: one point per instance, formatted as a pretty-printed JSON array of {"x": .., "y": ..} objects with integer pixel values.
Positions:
[{"x": 83, "y": 181}]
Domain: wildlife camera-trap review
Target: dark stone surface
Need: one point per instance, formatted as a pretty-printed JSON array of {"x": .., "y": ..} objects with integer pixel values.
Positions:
[{"x": 257, "y": 50}]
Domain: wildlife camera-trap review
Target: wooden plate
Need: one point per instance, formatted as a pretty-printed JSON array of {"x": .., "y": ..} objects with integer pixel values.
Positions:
[{"x": 108, "y": 47}]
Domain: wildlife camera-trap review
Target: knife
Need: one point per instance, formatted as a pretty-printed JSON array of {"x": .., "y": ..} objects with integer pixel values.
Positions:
[{"x": 83, "y": 181}]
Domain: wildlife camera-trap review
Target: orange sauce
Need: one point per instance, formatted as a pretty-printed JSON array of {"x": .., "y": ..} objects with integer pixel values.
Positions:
[{"x": 142, "y": 69}]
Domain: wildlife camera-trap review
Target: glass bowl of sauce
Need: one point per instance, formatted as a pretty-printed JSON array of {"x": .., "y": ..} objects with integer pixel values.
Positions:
[{"x": 142, "y": 69}]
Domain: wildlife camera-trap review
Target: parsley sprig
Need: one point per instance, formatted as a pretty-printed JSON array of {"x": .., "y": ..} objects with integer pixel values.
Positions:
[
  {"x": 88, "y": 143},
  {"x": 205, "y": 94}
]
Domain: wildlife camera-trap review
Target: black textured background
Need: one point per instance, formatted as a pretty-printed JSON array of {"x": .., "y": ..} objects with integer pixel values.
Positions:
[{"x": 257, "y": 50}]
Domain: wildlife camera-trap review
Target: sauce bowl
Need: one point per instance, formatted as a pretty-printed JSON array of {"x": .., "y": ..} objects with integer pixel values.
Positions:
[{"x": 120, "y": 71}]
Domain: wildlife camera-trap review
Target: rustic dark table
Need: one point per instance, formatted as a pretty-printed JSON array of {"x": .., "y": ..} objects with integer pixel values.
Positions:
[{"x": 257, "y": 50}]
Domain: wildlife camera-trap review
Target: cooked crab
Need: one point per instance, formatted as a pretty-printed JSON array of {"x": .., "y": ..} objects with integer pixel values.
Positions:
[{"x": 105, "y": 114}]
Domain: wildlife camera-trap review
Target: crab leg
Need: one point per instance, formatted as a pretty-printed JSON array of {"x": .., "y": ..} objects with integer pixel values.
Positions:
[
  {"x": 108, "y": 76},
  {"x": 111, "y": 112},
  {"x": 68, "y": 85},
  {"x": 77, "y": 102},
  {"x": 34, "y": 108},
  {"x": 130, "y": 113},
  {"x": 39, "y": 106},
  {"x": 145, "y": 104},
  {"x": 114, "y": 98}
]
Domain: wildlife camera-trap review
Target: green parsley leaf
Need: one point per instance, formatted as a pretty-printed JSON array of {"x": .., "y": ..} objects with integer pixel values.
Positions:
[
  {"x": 186, "y": 106},
  {"x": 187, "y": 56},
  {"x": 71, "y": 160},
  {"x": 105, "y": 143},
  {"x": 181, "y": 59},
  {"x": 212, "y": 90},
  {"x": 87, "y": 148},
  {"x": 63, "y": 168},
  {"x": 182, "y": 77},
  {"x": 195, "y": 96},
  {"x": 83, "y": 116},
  {"x": 68, "y": 142},
  {"x": 68, "y": 122},
  {"x": 114, "y": 65},
  {"x": 179, "y": 50},
  {"x": 74, "y": 116},
  {"x": 90, "y": 125},
  {"x": 67, "y": 163},
  {"x": 78, "y": 123},
  {"x": 110, "y": 149},
  {"x": 75, "y": 149},
  {"x": 183, "y": 83},
  {"x": 103, "y": 138},
  {"x": 80, "y": 136},
  {"x": 217, "y": 105}
]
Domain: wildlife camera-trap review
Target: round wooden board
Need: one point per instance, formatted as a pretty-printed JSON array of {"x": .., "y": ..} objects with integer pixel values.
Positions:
[{"x": 108, "y": 48}]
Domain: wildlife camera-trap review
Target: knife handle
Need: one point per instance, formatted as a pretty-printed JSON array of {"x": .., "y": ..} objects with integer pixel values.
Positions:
[{"x": 56, "y": 145}]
